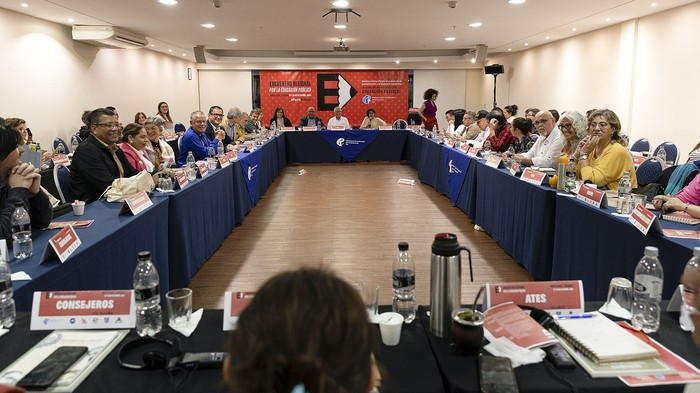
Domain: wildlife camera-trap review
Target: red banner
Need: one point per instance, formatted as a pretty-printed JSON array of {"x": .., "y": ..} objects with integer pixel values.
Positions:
[{"x": 353, "y": 91}]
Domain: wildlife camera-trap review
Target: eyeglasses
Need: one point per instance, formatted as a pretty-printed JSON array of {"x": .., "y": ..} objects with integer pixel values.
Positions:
[
  {"x": 108, "y": 125},
  {"x": 151, "y": 128},
  {"x": 217, "y": 115},
  {"x": 596, "y": 125},
  {"x": 565, "y": 126},
  {"x": 542, "y": 121}
]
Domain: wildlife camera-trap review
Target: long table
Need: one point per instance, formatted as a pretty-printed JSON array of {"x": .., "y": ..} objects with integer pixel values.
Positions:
[{"x": 552, "y": 236}]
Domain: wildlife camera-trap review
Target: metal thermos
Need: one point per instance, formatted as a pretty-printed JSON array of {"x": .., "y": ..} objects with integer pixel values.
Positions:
[{"x": 445, "y": 282}]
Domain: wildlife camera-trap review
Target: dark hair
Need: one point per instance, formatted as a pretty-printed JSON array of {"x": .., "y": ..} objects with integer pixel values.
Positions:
[
  {"x": 523, "y": 124},
  {"x": 370, "y": 110},
  {"x": 85, "y": 118},
  {"x": 131, "y": 129},
  {"x": 450, "y": 112},
  {"x": 211, "y": 108},
  {"x": 277, "y": 110},
  {"x": 513, "y": 109},
  {"x": 555, "y": 113},
  {"x": 167, "y": 114},
  {"x": 429, "y": 94},
  {"x": 588, "y": 112},
  {"x": 136, "y": 116},
  {"x": 497, "y": 114},
  {"x": 614, "y": 122},
  {"x": 10, "y": 138},
  {"x": 111, "y": 108},
  {"x": 304, "y": 327},
  {"x": 99, "y": 112},
  {"x": 534, "y": 111},
  {"x": 15, "y": 122}
]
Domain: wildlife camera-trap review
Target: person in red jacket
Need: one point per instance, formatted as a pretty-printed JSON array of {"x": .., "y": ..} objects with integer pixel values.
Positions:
[{"x": 500, "y": 136}]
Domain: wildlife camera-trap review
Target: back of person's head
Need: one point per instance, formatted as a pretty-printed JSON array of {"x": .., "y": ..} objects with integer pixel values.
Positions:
[
  {"x": 555, "y": 113},
  {"x": 512, "y": 109},
  {"x": 523, "y": 124},
  {"x": 303, "y": 328},
  {"x": 85, "y": 118},
  {"x": 10, "y": 138}
]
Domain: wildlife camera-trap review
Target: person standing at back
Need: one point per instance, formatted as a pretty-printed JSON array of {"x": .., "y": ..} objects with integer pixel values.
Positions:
[{"x": 428, "y": 110}]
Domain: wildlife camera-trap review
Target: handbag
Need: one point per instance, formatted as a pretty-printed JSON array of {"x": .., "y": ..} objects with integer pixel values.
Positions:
[{"x": 124, "y": 187}]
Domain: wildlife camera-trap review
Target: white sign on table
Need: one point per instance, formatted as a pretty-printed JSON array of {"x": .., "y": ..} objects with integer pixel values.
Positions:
[
  {"x": 473, "y": 151},
  {"x": 643, "y": 219},
  {"x": 493, "y": 161},
  {"x": 136, "y": 203},
  {"x": 203, "y": 169},
  {"x": 83, "y": 310},
  {"x": 224, "y": 161}
]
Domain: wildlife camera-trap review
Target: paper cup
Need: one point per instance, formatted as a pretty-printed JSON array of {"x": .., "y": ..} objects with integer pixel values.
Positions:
[
  {"x": 78, "y": 208},
  {"x": 390, "y": 324}
]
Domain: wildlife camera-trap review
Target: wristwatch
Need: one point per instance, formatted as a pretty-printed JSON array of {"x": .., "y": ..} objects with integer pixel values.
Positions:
[{"x": 583, "y": 157}]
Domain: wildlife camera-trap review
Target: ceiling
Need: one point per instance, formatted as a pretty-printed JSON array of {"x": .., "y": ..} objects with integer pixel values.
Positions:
[{"x": 273, "y": 31}]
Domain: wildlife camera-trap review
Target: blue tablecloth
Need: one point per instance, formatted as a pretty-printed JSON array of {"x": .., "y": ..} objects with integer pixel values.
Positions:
[
  {"x": 594, "y": 246},
  {"x": 311, "y": 147},
  {"x": 107, "y": 256}
]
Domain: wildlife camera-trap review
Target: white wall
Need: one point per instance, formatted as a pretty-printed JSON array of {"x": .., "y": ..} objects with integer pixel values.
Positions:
[
  {"x": 450, "y": 83},
  {"x": 48, "y": 79},
  {"x": 226, "y": 88}
]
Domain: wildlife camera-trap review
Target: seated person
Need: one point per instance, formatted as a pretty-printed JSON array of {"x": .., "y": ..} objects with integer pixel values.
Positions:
[
  {"x": 338, "y": 119},
  {"x": 483, "y": 125},
  {"x": 450, "y": 117},
  {"x": 195, "y": 140},
  {"x": 133, "y": 145},
  {"x": 691, "y": 286},
  {"x": 280, "y": 120},
  {"x": 573, "y": 127},
  {"x": 304, "y": 331},
  {"x": 500, "y": 137},
  {"x": 372, "y": 122},
  {"x": 547, "y": 148},
  {"x": 236, "y": 128},
  {"x": 687, "y": 200},
  {"x": 521, "y": 128},
  {"x": 310, "y": 120},
  {"x": 215, "y": 117},
  {"x": 98, "y": 160},
  {"x": 252, "y": 125},
  {"x": 19, "y": 182},
  {"x": 158, "y": 151},
  {"x": 602, "y": 155}
]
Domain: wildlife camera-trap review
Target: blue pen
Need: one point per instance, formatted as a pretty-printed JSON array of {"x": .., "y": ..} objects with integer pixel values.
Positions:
[{"x": 574, "y": 316}]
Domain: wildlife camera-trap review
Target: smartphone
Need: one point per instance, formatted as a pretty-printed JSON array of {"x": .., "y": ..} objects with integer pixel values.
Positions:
[
  {"x": 48, "y": 371},
  {"x": 496, "y": 375}
]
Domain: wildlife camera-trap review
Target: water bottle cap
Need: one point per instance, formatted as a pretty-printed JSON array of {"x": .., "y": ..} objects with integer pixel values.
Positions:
[
  {"x": 650, "y": 251},
  {"x": 144, "y": 255},
  {"x": 403, "y": 246}
]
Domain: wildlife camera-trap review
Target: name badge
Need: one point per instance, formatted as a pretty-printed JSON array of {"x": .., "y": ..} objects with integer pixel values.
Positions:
[
  {"x": 514, "y": 168},
  {"x": 224, "y": 161},
  {"x": 309, "y": 128},
  {"x": 338, "y": 128},
  {"x": 532, "y": 176},
  {"x": 61, "y": 159},
  {"x": 385, "y": 128},
  {"x": 203, "y": 169},
  {"x": 473, "y": 151},
  {"x": 62, "y": 244},
  {"x": 136, "y": 203},
  {"x": 234, "y": 304},
  {"x": 181, "y": 177},
  {"x": 232, "y": 155},
  {"x": 555, "y": 297},
  {"x": 288, "y": 129},
  {"x": 644, "y": 220},
  {"x": 592, "y": 196},
  {"x": 493, "y": 161},
  {"x": 83, "y": 310}
]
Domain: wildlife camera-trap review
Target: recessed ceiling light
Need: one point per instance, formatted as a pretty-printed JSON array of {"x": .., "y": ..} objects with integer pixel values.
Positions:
[
  {"x": 244, "y": 61},
  {"x": 509, "y": 49},
  {"x": 168, "y": 2},
  {"x": 339, "y": 26},
  {"x": 184, "y": 54},
  {"x": 475, "y": 24},
  {"x": 526, "y": 44},
  {"x": 152, "y": 45},
  {"x": 516, "y": 1},
  {"x": 71, "y": 20},
  {"x": 546, "y": 38},
  {"x": 450, "y": 39},
  {"x": 25, "y": 5},
  {"x": 208, "y": 25},
  {"x": 473, "y": 60},
  {"x": 435, "y": 61},
  {"x": 232, "y": 39},
  {"x": 654, "y": 4},
  {"x": 574, "y": 29},
  {"x": 340, "y": 3},
  {"x": 397, "y": 62},
  {"x": 170, "y": 50}
]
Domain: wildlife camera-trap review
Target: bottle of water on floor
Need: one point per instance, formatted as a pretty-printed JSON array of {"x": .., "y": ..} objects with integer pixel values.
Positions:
[
  {"x": 21, "y": 232},
  {"x": 7, "y": 304},
  {"x": 404, "y": 284},
  {"x": 688, "y": 298},
  {"x": 149, "y": 316},
  {"x": 648, "y": 285}
]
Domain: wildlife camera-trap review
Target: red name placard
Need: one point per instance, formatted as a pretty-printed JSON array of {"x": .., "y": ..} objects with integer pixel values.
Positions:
[
  {"x": 532, "y": 176},
  {"x": 224, "y": 161},
  {"x": 82, "y": 310},
  {"x": 181, "y": 179},
  {"x": 203, "y": 169},
  {"x": 234, "y": 304},
  {"x": 288, "y": 129},
  {"x": 338, "y": 128},
  {"x": 592, "y": 196},
  {"x": 232, "y": 155},
  {"x": 63, "y": 244},
  {"x": 61, "y": 159},
  {"x": 473, "y": 151},
  {"x": 514, "y": 168},
  {"x": 138, "y": 202},
  {"x": 644, "y": 220},
  {"x": 493, "y": 161},
  {"x": 309, "y": 128},
  {"x": 556, "y": 297}
]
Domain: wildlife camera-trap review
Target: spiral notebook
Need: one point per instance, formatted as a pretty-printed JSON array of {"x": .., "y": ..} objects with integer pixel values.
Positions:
[
  {"x": 603, "y": 340},
  {"x": 682, "y": 217}
]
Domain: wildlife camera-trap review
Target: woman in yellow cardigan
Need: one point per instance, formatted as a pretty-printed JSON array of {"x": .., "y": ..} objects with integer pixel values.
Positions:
[{"x": 602, "y": 155}]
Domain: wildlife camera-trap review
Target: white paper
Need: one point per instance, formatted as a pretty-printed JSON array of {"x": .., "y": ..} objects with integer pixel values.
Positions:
[
  {"x": 187, "y": 331},
  {"x": 20, "y": 276}
]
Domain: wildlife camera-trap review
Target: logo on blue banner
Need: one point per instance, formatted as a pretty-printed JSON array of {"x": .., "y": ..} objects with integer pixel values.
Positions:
[
  {"x": 457, "y": 163},
  {"x": 453, "y": 169},
  {"x": 349, "y": 143},
  {"x": 250, "y": 165}
]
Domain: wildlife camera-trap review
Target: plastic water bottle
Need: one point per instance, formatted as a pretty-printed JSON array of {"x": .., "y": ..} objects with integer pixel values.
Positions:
[
  {"x": 570, "y": 184},
  {"x": 661, "y": 155},
  {"x": 7, "y": 304},
  {"x": 220, "y": 149},
  {"x": 404, "y": 284},
  {"x": 624, "y": 188},
  {"x": 190, "y": 160},
  {"x": 648, "y": 285},
  {"x": 688, "y": 298},
  {"x": 149, "y": 316},
  {"x": 21, "y": 232},
  {"x": 210, "y": 152}
]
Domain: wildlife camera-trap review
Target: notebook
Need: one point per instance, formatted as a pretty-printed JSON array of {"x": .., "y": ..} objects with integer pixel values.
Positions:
[
  {"x": 682, "y": 217},
  {"x": 603, "y": 340}
]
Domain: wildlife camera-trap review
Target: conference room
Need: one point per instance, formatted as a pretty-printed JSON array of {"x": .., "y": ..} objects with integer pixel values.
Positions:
[{"x": 553, "y": 63}]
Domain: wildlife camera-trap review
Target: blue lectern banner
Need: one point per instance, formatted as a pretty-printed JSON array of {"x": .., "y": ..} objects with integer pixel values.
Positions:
[
  {"x": 457, "y": 163},
  {"x": 250, "y": 165},
  {"x": 349, "y": 143}
]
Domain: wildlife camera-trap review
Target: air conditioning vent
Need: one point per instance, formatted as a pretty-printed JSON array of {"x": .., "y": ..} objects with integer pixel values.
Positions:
[{"x": 108, "y": 37}]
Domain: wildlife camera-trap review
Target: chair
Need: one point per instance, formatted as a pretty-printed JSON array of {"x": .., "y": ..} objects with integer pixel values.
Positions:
[
  {"x": 641, "y": 145},
  {"x": 649, "y": 170},
  {"x": 671, "y": 151},
  {"x": 61, "y": 177},
  {"x": 179, "y": 127},
  {"x": 74, "y": 142},
  {"x": 60, "y": 142},
  {"x": 400, "y": 124}
]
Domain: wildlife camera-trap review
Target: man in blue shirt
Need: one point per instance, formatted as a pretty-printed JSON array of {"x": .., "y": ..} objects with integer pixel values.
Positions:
[{"x": 195, "y": 140}]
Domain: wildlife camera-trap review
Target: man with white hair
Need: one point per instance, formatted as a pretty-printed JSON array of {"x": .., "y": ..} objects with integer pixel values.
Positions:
[
  {"x": 546, "y": 150},
  {"x": 338, "y": 119}
]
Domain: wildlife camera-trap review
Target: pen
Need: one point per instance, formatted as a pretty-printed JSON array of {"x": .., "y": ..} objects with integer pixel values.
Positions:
[{"x": 574, "y": 316}]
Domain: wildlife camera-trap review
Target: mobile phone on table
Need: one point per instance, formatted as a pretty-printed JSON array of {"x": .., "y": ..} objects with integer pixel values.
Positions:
[
  {"x": 51, "y": 368},
  {"x": 496, "y": 375}
]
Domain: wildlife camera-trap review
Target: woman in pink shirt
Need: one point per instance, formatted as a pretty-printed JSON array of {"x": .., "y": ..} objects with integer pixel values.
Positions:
[
  {"x": 687, "y": 200},
  {"x": 133, "y": 145}
]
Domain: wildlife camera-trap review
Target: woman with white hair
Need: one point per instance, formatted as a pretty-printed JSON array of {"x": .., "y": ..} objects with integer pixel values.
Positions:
[{"x": 573, "y": 127}]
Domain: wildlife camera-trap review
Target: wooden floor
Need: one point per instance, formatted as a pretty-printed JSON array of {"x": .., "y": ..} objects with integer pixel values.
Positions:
[{"x": 349, "y": 218}]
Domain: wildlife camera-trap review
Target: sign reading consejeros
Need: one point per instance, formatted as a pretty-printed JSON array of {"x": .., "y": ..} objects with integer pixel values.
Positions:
[{"x": 83, "y": 310}]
